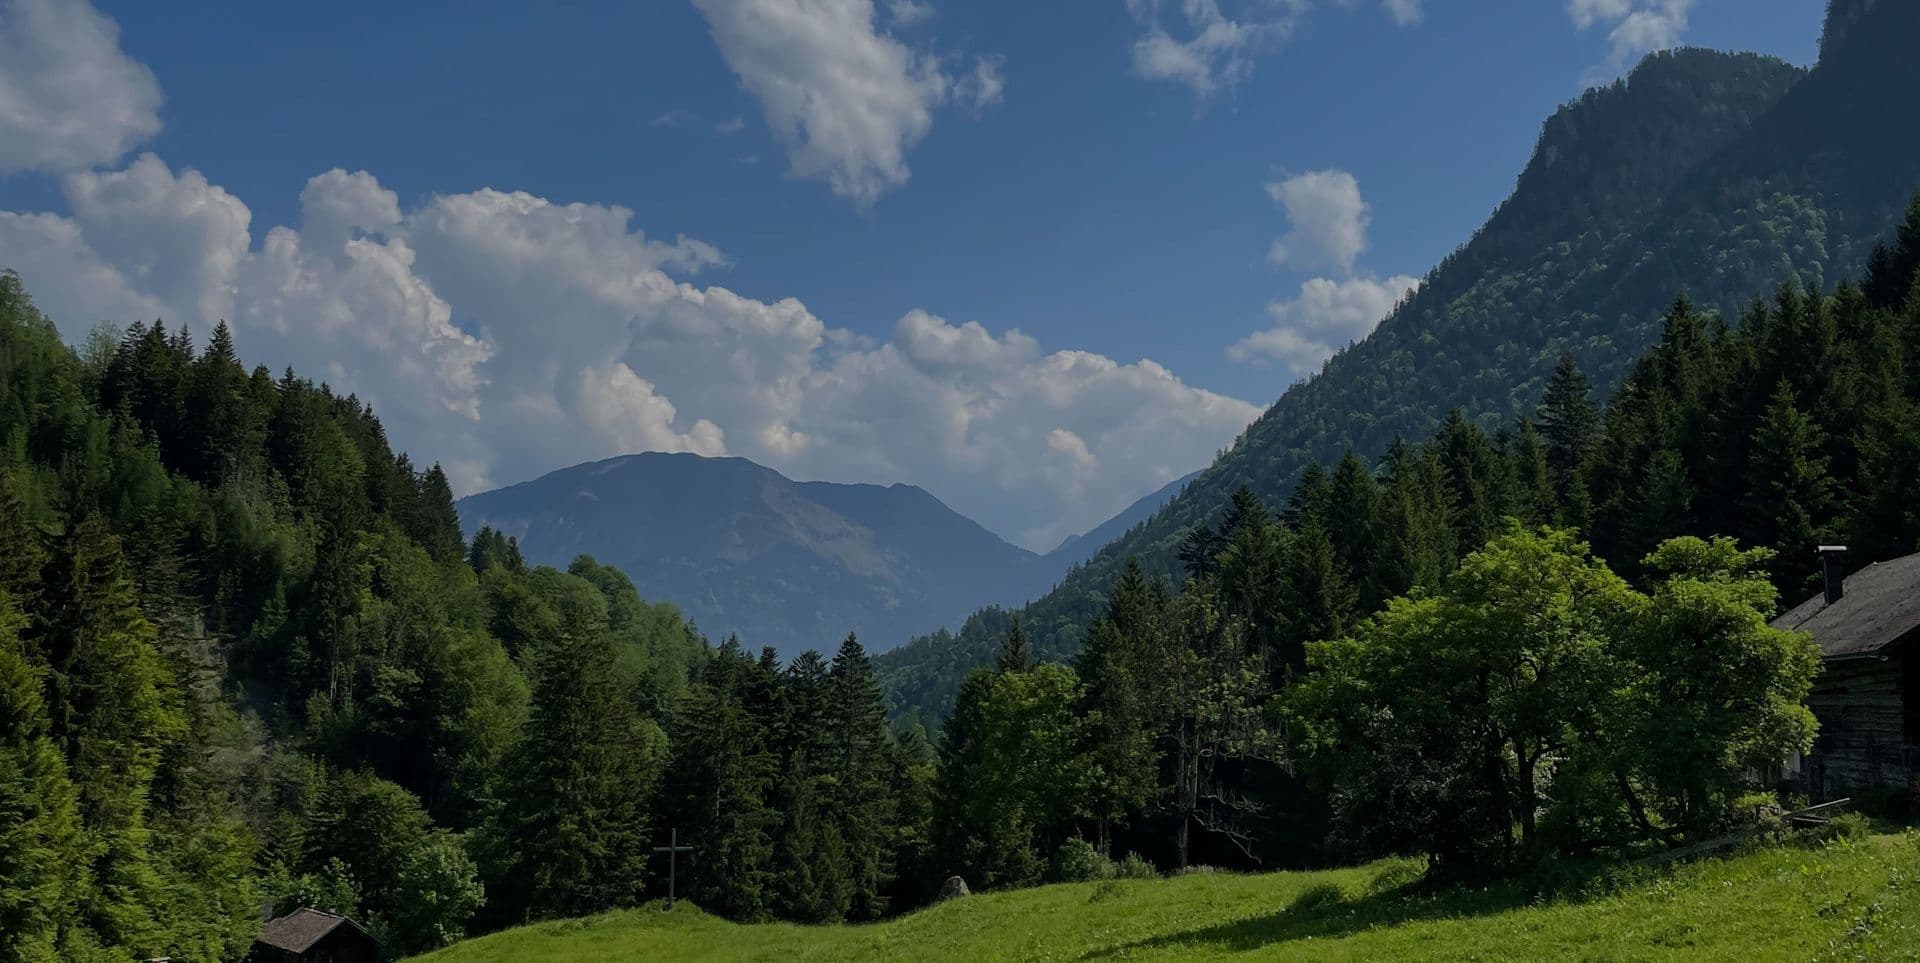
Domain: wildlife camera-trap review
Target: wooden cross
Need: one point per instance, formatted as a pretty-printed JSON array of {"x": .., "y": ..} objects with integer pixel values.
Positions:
[{"x": 673, "y": 850}]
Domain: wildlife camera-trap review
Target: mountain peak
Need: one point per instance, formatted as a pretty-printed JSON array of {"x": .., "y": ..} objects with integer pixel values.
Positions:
[{"x": 743, "y": 549}]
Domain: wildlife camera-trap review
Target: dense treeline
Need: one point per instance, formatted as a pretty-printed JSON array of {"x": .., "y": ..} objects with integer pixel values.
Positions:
[
  {"x": 247, "y": 657},
  {"x": 1717, "y": 174},
  {"x": 1242, "y": 712}
]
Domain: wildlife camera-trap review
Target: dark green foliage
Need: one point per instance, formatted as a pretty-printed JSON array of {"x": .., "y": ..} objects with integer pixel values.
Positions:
[
  {"x": 573, "y": 835},
  {"x": 1539, "y": 706},
  {"x": 1016, "y": 651},
  {"x": 800, "y": 801},
  {"x": 242, "y": 662},
  {"x": 40, "y": 843}
]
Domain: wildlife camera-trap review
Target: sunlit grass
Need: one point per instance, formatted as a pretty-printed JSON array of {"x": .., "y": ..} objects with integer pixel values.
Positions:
[{"x": 1856, "y": 899}]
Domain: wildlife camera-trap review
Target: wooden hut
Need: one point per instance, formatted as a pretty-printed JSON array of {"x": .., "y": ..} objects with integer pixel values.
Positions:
[
  {"x": 1867, "y": 695},
  {"x": 311, "y": 936}
]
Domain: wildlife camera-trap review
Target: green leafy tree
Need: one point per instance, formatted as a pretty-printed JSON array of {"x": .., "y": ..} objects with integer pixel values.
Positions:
[
  {"x": 1217, "y": 686},
  {"x": 1716, "y": 693}
]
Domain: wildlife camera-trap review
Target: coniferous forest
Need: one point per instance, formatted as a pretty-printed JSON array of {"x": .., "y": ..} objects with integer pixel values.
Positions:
[{"x": 246, "y": 657}]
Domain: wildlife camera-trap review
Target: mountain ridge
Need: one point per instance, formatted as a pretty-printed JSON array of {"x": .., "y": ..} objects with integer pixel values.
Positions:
[
  {"x": 743, "y": 549},
  {"x": 1714, "y": 174}
]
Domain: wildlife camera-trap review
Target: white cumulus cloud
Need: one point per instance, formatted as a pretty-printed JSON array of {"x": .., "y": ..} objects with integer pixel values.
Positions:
[
  {"x": 1329, "y": 220},
  {"x": 1213, "y": 45},
  {"x": 1325, "y": 317},
  {"x": 1635, "y": 28},
  {"x": 846, "y": 100},
  {"x": 69, "y": 97}
]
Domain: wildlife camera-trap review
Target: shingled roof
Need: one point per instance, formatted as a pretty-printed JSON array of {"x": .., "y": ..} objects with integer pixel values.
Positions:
[
  {"x": 1879, "y": 606},
  {"x": 297, "y": 931}
]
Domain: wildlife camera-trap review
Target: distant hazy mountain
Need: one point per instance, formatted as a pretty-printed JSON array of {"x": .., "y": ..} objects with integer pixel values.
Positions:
[
  {"x": 1078, "y": 548},
  {"x": 742, "y": 549}
]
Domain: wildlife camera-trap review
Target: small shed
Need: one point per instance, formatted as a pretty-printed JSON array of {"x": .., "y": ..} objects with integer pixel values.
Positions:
[
  {"x": 1867, "y": 695},
  {"x": 311, "y": 936}
]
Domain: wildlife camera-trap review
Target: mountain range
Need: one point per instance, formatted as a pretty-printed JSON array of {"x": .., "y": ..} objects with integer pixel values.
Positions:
[
  {"x": 743, "y": 550},
  {"x": 1702, "y": 174}
]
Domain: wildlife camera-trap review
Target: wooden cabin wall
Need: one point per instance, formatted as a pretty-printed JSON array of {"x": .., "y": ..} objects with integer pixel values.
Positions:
[{"x": 1864, "y": 726}]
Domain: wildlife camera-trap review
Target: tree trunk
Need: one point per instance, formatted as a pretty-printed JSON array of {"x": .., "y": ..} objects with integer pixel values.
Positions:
[{"x": 1527, "y": 804}]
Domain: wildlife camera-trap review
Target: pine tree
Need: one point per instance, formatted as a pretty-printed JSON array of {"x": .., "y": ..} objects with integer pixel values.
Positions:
[
  {"x": 1792, "y": 493},
  {"x": 1319, "y": 596},
  {"x": 815, "y": 879},
  {"x": 113, "y": 708},
  {"x": 41, "y": 859},
  {"x": 1416, "y": 543},
  {"x": 434, "y": 523},
  {"x": 1535, "y": 499},
  {"x": 1016, "y": 650},
  {"x": 861, "y": 796},
  {"x": 575, "y": 825},
  {"x": 1312, "y": 497},
  {"x": 1892, "y": 268},
  {"x": 1252, "y": 570},
  {"x": 1885, "y": 519},
  {"x": 1353, "y": 523},
  {"x": 719, "y": 786},
  {"x": 1199, "y": 551},
  {"x": 21, "y": 555},
  {"x": 1119, "y": 727},
  {"x": 1569, "y": 424},
  {"x": 1473, "y": 474},
  {"x": 225, "y": 427}
]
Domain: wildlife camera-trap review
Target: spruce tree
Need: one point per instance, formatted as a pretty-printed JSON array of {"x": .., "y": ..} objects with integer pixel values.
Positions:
[
  {"x": 113, "y": 709},
  {"x": 1319, "y": 596},
  {"x": 575, "y": 826},
  {"x": 1792, "y": 498},
  {"x": 1353, "y": 523},
  {"x": 1199, "y": 551},
  {"x": 1569, "y": 424},
  {"x": 1250, "y": 581},
  {"x": 1535, "y": 498},
  {"x": 1119, "y": 731},
  {"x": 719, "y": 786},
  {"x": 861, "y": 797},
  {"x": 41, "y": 861},
  {"x": 1885, "y": 519},
  {"x": 1473, "y": 474},
  {"x": 1016, "y": 650}
]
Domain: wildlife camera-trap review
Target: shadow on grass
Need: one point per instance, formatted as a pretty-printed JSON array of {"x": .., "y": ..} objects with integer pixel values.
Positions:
[{"x": 1317, "y": 913}]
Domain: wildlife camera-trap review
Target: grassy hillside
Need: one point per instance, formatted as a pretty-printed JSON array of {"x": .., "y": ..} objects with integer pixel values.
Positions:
[{"x": 1849, "y": 899}]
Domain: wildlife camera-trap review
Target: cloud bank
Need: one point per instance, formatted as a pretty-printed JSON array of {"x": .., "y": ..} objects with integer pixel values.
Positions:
[{"x": 505, "y": 335}]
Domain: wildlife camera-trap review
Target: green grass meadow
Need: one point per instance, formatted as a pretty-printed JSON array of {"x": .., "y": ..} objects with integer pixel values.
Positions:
[{"x": 1850, "y": 899}]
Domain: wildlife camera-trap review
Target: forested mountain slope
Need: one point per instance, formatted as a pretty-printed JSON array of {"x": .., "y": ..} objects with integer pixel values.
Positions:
[
  {"x": 1718, "y": 175},
  {"x": 1078, "y": 548}
]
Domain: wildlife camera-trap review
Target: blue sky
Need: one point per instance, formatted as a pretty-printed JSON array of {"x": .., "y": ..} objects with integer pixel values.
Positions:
[{"x": 1108, "y": 178}]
